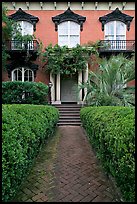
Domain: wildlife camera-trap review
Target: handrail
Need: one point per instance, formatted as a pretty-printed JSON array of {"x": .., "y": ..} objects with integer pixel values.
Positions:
[
  {"x": 22, "y": 45},
  {"x": 109, "y": 45}
]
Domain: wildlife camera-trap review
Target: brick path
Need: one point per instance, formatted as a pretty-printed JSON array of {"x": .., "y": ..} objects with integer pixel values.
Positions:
[{"x": 70, "y": 172}]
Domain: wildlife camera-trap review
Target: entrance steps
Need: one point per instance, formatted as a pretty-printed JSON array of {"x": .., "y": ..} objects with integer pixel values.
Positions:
[{"x": 69, "y": 114}]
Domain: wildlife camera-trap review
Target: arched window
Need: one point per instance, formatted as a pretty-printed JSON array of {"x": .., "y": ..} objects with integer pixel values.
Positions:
[
  {"x": 68, "y": 34},
  {"x": 22, "y": 74},
  {"x": 115, "y": 31},
  {"x": 25, "y": 28}
]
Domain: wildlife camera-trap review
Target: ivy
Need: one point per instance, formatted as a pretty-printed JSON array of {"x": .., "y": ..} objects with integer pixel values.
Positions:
[
  {"x": 66, "y": 60},
  {"x": 6, "y": 33}
]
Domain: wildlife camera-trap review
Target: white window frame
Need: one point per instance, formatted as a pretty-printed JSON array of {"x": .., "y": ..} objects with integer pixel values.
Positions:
[
  {"x": 115, "y": 45},
  {"x": 22, "y": 69},
  {"x": 69, "y": 34}
]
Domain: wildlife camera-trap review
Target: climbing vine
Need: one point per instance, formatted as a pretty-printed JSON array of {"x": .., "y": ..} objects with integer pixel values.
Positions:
[{"x": 66, "y": 60}]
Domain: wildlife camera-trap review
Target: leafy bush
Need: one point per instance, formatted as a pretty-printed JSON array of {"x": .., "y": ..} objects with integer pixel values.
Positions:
[
  {"x": 24, "y": 129},
  {"x": 24, "y": 92},
  {"x": 107, "y": 85},
  {"x": 111, "y": 131}
]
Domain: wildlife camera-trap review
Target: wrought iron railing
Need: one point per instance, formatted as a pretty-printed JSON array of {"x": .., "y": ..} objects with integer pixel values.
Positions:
[
  {"x": 118, "y": 45},
  {"x": 22, "y": 45}
]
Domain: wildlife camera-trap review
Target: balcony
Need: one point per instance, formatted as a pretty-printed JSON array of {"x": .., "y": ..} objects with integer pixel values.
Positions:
[
  {"x": 108, "y": 47},
  {"x": 17, "y": 49}
]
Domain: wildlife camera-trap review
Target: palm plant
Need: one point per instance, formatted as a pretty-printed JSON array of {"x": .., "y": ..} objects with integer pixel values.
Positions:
[{"x": 108, "y": 85}]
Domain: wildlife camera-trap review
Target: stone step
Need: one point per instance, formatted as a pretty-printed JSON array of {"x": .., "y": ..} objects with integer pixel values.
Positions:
[
  {"x": 69, "y": 108},
  {"x": 69, "y": 123},
  {"x": 69, "y": 114},
  {"x": 69, "y": 118}
]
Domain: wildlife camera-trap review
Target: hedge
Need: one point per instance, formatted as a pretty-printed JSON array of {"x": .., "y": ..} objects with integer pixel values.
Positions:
[
  {"x": 24, "y": 129},
  {"x": 14, "y": 92},
  {"x": 111, "y": 131}
]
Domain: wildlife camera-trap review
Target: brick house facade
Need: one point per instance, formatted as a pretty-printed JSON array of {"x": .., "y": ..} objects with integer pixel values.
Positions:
[{"x": 68, "y": 23}]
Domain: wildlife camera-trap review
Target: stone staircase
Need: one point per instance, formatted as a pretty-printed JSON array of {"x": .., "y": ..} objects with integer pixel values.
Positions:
[{"x": 69, "y": 114}]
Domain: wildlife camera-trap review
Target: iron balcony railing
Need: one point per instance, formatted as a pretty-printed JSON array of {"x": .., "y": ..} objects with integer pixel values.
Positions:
[
  {"x": 21, "y": 45},
  {"x": 118, "y": 45}
]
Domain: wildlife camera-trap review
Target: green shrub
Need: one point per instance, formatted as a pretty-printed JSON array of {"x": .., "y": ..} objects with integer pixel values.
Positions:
[
  {"x": 111, "y": 131},
  {"x": 24, "y": 129},
  {"x": 14, "y": 92}
]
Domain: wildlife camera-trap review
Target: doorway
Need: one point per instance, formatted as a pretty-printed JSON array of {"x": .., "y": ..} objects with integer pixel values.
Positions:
[{"x": 69, "y": 86}]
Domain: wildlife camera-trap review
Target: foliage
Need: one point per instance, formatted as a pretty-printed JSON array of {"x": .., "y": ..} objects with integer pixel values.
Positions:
[
  {"x": 6, "y": 24},
  {"x": 12, "y": 30},
  {"x": 107, "y": 85},
  {"x": 111, "y": 131},
  {"x": 6, "y": 33},
  {"x": 66, "y": 60},
  {"x": 24, "y": 129},
  {"x": 24, "y": 92}
]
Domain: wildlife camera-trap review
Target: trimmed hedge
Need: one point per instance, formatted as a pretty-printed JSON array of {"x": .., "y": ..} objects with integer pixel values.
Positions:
[
  {"x": 24, "y": 129},
  {"x": 111, "y": 131},
  {"x": 14, "y": 92}
]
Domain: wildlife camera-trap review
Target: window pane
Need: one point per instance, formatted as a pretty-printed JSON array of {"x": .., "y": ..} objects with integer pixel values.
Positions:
[
  {"x": 15, "y": 75},
  {"x": 63, "y": 28},
  {"x": 27, "y": 28},
  {"x": 120, "y": 37},
  {"x": 63, "y": 40},
  {"x": 19, "y": 75},
  {"x": 74, "y": 40},
  {"x": 28, "y": 75},
  {"x": 19, "y": 26},
  {"x": 74, "y": 28},
  {"x": 109, "y": 28},
  {"x": 109, "y": 37},
  {"x": 120, "y": 28}
]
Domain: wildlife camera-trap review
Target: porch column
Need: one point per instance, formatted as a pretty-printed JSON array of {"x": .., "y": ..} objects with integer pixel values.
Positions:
[
  {"x": 58, "y": 101},
  {"x": 79, "y": 82},
  {"x": 52, "y": 79},
  {"x": 85, "y": 81}
]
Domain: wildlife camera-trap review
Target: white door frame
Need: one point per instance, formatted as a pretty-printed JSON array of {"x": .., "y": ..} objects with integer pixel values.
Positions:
[{"x": 55, "y": 89}]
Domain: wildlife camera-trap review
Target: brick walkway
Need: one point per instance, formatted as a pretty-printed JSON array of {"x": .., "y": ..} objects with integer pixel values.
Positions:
[{"x": 67, "y": 170}]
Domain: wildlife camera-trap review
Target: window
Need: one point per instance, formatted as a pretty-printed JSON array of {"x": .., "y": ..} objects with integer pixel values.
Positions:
[
  {"x": 22, "y": 74},
  {"x": 69, "y": 34},
  {"x": 115, "y": 31},
  {"x": 25, "y": 28}
]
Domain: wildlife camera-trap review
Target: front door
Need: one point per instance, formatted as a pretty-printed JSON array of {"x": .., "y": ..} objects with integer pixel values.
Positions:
[{"x": 69, "y": 89}]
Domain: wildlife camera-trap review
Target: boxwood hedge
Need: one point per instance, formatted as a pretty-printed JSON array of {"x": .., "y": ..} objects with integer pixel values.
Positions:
[
  {"x": 111, "y": 131},
  {"x": 24, "y": 129},
  {"x": 17, "y": 92}
]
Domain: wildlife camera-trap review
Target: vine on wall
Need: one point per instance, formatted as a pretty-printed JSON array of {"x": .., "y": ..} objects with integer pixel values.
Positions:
[{"x": 66, "y": 60}]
